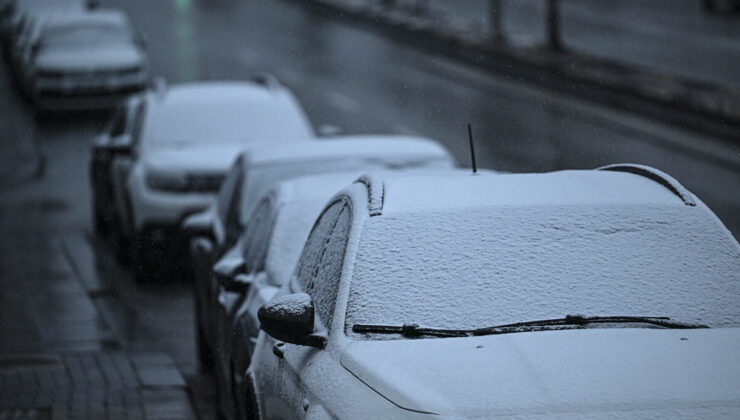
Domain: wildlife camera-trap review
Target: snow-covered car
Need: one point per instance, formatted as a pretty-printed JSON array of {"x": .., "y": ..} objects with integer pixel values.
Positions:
[
  {"x": 217, "y": 229},
  {"x": 174, "y": 154},
  {"x": 267, "y": 250},
  {"x": 581, "y": 294},
  {"x": 80, "y": 61}
]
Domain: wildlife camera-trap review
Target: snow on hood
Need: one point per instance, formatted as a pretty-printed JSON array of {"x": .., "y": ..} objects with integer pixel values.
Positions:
[
  {"x": 660, "y": 373},
  {"x": 109, "y": 57},
  {"x": 192, "y": 158}
]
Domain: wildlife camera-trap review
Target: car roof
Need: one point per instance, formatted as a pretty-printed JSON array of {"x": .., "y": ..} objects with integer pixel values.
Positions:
[
  {"x": 349, "y": 146},
  {"x": 225, "y": 91},
  {"x": 569, "y": 187}
]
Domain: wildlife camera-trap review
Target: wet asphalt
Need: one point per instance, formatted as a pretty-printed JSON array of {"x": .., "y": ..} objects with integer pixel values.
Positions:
[{"x": 352, "y": 78}]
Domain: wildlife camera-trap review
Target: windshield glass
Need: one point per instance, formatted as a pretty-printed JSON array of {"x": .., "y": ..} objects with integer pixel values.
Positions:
[
  {"x": 481, "y": 268},
  {"x": 229, "y": 121},
  {"x": 86, "y": 35}
]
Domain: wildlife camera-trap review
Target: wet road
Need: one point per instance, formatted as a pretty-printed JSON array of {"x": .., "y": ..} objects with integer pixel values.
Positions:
[
  {"x": 676, "y": 37},
  {"x": 366, "y": 84}
]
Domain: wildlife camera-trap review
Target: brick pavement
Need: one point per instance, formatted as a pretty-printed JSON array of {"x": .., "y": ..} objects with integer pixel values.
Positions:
[{"x": 58, "y": 357}]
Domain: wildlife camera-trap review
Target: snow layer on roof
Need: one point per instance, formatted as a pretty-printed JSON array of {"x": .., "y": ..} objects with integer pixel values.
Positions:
[
  {"x": 260, "y": 178},
  {"x": 522, "y": 258},
  {"x": 368, "y": 146},
  {"x": 576, "y": 187}
]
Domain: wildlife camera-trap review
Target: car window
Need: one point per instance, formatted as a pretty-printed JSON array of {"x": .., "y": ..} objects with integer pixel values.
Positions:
[
  {"x": 138, "y": 122},
  {"x": 227, "y": 203},
  {"x": 311, "y": 254},
  {"x": 118, "y": 123},
  {"x": 257, "y": 233},
  {"x": 325, "y": 280}
]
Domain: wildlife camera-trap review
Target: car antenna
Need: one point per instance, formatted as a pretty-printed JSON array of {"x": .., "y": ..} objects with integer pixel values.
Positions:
[{"x": 472, "y": 149}]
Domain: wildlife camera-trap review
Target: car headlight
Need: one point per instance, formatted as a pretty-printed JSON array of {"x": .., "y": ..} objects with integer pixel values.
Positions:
[{"x": 167, "y": 181}]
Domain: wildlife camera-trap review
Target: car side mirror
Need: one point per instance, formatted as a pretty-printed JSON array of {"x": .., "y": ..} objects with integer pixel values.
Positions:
[
  {"x": 328, "y": 130},
  {"x": 199, "y": 224},
  {"x": 226, "y": 269},
  {"x": 290, "y": 318}
]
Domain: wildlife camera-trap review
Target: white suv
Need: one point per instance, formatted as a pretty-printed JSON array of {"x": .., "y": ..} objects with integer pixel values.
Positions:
[{"x": 182, "y": 142}]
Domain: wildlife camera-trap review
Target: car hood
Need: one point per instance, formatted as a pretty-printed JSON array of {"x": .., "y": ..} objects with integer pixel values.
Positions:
[
  {"x": 557, "y": 373},
  {"x": 188, "y": 159},
  {"x": 90, "y": 59}
]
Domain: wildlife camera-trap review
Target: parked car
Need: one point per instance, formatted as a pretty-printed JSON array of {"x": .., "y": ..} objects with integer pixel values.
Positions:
[
  {"x": 565, "y": 294},
  {"x": 175, "y": 147},
  {"x": 267, "y": 250},
  {"x": 77, "y": 61},
  {"x": 218, "y": 229}
]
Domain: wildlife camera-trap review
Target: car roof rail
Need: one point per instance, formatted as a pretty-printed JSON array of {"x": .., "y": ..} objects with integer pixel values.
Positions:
[
  {"x": 656, "y": 175},
  {"x": 265, "y": 79},
  {"x": 375, "y": 193}
]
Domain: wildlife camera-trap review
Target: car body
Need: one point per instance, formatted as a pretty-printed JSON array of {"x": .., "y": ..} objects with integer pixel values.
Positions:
[
  {"x": 254, "y": 173},
  {"x": 174, "y": 154},
  {"x": 341, "y": 339},
  {"x": 79, "y": 61},
  {"x": 269, "y": 246}
]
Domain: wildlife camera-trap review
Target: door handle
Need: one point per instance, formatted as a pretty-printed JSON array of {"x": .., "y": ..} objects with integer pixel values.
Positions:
[{"x": 278, "y": 349}]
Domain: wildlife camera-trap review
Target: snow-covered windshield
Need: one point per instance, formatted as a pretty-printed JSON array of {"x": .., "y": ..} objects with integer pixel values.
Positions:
[
  {"x": 467, "y": 268},
  {"x": 88, "y": 35},
  {"x": 221, "y": 122}
]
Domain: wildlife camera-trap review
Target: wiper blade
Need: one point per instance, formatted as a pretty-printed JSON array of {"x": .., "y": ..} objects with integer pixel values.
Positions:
[
  {"x": 408, "y": 330},
  {"x": 581, "y": 320},
  {"x": 569, "y": 322}
]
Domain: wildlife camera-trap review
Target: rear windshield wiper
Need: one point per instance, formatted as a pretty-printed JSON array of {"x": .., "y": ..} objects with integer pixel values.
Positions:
[
  {"x": 581, "y": 320},
  {"x": 569, "y": 322}
]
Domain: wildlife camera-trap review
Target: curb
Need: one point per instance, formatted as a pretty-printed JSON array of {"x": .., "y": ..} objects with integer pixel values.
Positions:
[{"x": 701, "y": 106}]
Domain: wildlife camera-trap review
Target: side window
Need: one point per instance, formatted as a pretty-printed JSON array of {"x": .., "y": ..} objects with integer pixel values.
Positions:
[
  {"x": 118, "y": 123},
  {"x": 226, "y": 203},
  {"x": 321, "y": 263},
  {"x": 326, "y": 278},
  {"x": 257, "y": 234},
  {"x": 138, "y": 123},
  {"x": 311, "y": 254}
]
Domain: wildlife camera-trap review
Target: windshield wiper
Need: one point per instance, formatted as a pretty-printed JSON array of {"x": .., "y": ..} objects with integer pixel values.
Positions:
[
  {"x": 569, "y": 322},
  {"x": 408, "y": 330},
  {"x": 581, "y": 320}
]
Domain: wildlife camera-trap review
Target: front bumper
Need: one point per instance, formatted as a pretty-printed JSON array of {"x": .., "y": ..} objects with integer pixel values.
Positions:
[
  {"x": 162, "y": 208},
  {"x": 73, "y": 95}
]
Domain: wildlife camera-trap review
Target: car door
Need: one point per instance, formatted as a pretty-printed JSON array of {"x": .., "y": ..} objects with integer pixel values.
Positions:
[
  {"x": 318, "y": 274},
  {"x": 253, "y": 247},
  {"x": 121, "y": 168},
  {"x": 100, "y": 169}
]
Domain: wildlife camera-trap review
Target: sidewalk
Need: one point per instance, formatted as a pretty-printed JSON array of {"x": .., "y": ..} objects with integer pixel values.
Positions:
[
  {"x": 708, "y": 107},
  {"x": 58, "y": 357}
]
